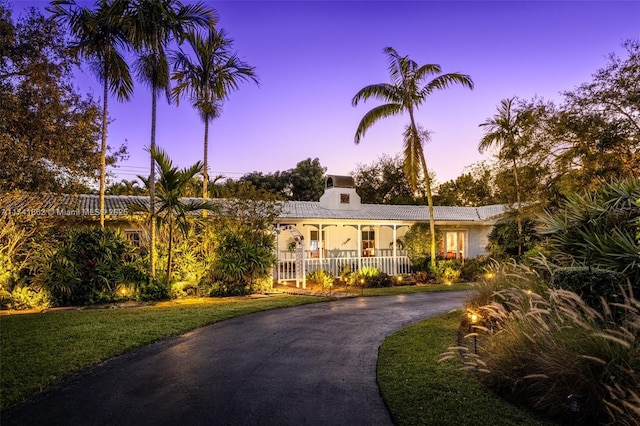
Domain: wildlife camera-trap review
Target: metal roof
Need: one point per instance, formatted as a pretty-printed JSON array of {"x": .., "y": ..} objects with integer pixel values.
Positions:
[
  {"x": 312, "y": 210},
  {"x": 118, "y": 205}
]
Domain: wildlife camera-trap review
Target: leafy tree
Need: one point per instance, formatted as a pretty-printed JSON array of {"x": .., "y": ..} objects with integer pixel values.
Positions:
[
  {"x": 404, "y": 95},
  {"x": 99, "y": 37},
  {"x": 474, "y": 188},
  {"x": 48, "y": 132},
  {"x": 208, "y": 79},
  {"x": 275, "y": 183},
  {"x": 151, "y": 26},
  {"x": 383, "y": 182},
  {"x": 307, "y": 180}
]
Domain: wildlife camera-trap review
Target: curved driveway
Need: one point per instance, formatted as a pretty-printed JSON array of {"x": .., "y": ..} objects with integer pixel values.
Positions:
[{"x": 313, "y": 364}]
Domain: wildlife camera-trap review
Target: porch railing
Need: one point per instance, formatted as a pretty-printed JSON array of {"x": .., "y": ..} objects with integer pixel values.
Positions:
[{"x": 336, "y": 265}]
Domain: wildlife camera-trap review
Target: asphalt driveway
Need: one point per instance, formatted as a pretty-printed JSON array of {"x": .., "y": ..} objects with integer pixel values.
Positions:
[{"x": 312, "y": 364}]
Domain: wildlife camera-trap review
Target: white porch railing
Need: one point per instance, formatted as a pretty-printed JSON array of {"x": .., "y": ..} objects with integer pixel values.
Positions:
[{"x": 335, "y": 265}]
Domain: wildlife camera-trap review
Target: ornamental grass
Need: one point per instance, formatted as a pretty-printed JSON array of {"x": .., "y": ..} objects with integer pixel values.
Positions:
[{"x": 537, "y": 346}]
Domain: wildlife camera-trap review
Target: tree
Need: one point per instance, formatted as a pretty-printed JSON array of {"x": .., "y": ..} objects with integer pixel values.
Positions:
[
  {"x": 208, "y": 79},
  {"x": 507, "y": 129},
  {"x": 172, "y": 209},
  {"x": 48, "y": 132},
  {"x": 383, "y": 182},
  {"x": 307, "y": 180},
  {"x": 99, "y": 36},
  {"x": 595, "y": 134},
  {"x": 474, "y": 188},
  {"x": 404, "y": 95},
  {"x": 152, "y": 25},
  {"x": 126, "y": 187}
]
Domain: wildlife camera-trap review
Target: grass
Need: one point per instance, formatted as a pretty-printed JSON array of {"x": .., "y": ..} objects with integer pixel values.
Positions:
[
  {"x": 407, "y": 289},
  {"x": 419, "y": 390},
  {"x": 38, "y": 350}
]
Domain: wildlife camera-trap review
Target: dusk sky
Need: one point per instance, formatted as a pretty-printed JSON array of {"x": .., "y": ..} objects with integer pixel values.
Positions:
[{"x": 312, "y": 57}]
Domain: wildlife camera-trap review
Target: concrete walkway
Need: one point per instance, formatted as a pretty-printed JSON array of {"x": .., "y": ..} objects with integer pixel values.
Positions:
[{"x": 307, "y": 365}]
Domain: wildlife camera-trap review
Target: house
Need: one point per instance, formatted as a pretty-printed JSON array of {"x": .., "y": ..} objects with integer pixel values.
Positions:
[
  {"x": 336, "y": 232},
  {"x": 339, "y": 231}
]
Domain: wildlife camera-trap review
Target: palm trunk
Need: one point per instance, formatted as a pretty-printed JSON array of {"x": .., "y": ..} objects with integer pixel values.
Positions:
[
  {"x": 205, "y": 173},
  {"x": 103, "y": 147},
  {"x": 152, "y": 188},
  {"x": 170, "y": 251},
  {"x": 427, "y": 182},
  {"x": 519, "y": 207},
  {"x": 432, "y": 221}
]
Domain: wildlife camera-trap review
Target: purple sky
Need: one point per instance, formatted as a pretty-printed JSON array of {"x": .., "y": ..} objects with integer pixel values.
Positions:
[{"x": 312, "y": 57}]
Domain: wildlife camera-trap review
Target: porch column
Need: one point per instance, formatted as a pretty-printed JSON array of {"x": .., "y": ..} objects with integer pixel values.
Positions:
[
  {"x": 395, "y": 252},
  {"x": 304, "y": 267},
  {"x": 320, "y": 245},
  {"x": 359, "y": 247}
]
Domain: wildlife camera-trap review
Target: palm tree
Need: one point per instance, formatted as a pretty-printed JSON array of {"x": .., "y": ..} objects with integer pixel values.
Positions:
[
  {"x": 506, "y": 130},
  {"x": 100, "y": 38},
  {"x": 152, "y": 25},
  {"x": 407, "y": 91},
  {"x": 208, "y": 79},
  {"x": 171, "y": 187}
]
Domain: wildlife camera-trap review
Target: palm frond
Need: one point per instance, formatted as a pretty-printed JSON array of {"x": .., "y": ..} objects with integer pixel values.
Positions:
[
  {"x": 384, "y": 92},
  {"x": 444, "y": 81},
  {"x": 377, "y": 113}
]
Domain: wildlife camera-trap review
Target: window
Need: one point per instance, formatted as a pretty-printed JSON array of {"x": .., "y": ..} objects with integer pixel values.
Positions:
[
  {"x": 133, "y": 237},
  {"x": 314, "y": 243},
  {"x": 453, "y": 245},
  {"x": 344, "y": 198},
  {"x": 368, "y": 243}
]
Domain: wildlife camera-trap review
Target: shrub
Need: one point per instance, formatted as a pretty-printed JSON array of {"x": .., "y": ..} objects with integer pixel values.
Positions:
[
  {"x": 85, "y": 265},
  {"x": 321, "y": 278},
  {"x": 24, "y": 297},
  {"x": 244, "y": 258},
  {"x": 417, "y": 242},
  {"x": 474, "y": 268},
  {"x": 598, "y": 229},
  {"x": 371, "y": 277},
  {"x": 447, "y": 271},
  {"x": 590, "y": 284},
  {"x": 504, "y": 241}
]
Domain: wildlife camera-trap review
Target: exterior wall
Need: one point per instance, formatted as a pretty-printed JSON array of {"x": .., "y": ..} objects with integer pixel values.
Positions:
[{"x": 478, "y": 240}]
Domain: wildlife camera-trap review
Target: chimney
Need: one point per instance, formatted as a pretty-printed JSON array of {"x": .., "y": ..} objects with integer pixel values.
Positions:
[{"x": 340, "y": 194}]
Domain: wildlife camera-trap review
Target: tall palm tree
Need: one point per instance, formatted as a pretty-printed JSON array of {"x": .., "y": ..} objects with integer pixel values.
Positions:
[
  {"x": 408, "y": 90},
  {"x": 100, "y": 37},
  {"x": 506, "y": 130},
  {"x": 208, "y": 78},
  {"x": 172, "y": 185},
  {"x": 152, "y": 25}
]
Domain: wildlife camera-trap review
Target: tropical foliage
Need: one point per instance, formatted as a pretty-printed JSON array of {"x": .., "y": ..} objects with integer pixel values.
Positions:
[{"x": 599, "y": 229}]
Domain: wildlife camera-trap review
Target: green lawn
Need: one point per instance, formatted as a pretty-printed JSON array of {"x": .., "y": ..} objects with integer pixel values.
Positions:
[
  {"x": 38, "y": 350},
  {"x": 406, "y": 289},
  {"x": 421, "y": 391}
]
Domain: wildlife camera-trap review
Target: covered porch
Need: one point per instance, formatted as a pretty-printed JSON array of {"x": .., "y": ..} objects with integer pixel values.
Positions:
[{"x": 334, "y": 248}]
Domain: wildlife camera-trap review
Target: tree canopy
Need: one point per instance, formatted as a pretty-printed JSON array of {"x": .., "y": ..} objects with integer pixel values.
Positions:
[{"x": 49, "y": 133}]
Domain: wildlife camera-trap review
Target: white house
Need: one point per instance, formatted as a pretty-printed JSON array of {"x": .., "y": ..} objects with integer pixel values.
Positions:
[
  {"x": 335, "y": 232},
  {"x": 340, "y": 231}
]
